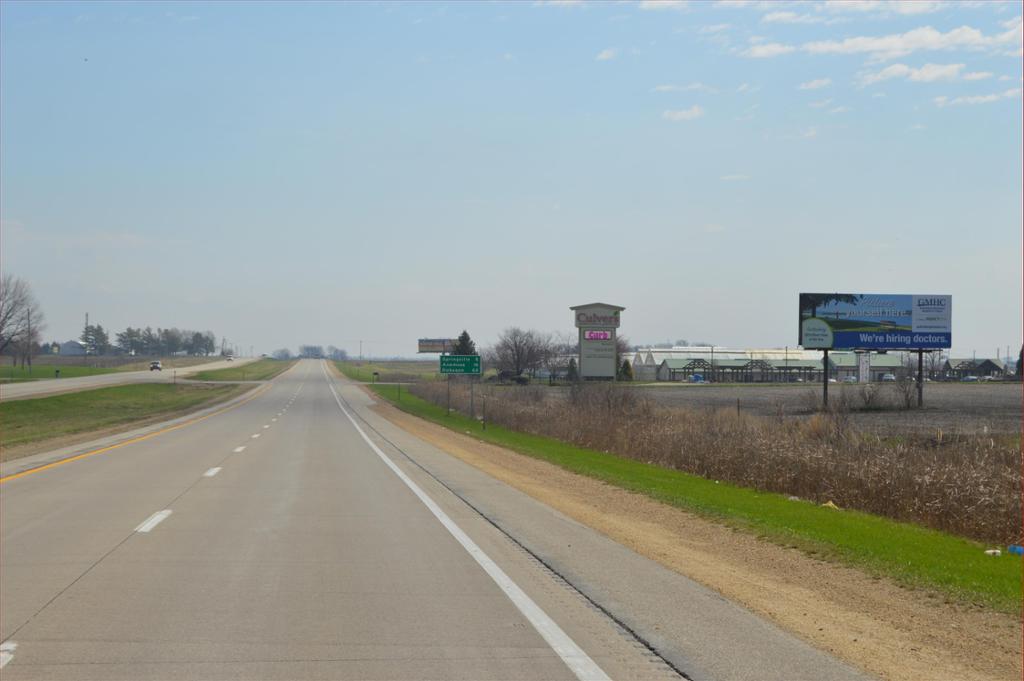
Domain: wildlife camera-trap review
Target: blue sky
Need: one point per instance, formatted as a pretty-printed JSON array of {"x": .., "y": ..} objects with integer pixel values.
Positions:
[{"x": 325, "y": 173}]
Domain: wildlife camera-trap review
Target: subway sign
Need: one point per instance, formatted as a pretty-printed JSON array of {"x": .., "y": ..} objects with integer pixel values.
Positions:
[{"x": 868, "y": 321}]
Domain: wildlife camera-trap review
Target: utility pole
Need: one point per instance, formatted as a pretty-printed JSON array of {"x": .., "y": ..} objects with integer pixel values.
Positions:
[
  {"x": 360, "y": 351},
  {"x": 28, "y": 315}
]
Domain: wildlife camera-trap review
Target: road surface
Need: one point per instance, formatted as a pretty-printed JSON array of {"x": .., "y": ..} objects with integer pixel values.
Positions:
[
  {"x": 53, "y": 386},
  {"x": 297, "y": 535}
]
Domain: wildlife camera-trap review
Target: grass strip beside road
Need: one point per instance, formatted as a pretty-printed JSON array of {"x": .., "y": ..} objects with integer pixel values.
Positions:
[
  {"x": 388, "y": 371},
  {"x": 12, "y": 374},
  {"x": 261, "y": 370},
  {"x": 32, "y": 421},
  {"x": 914, "y": 556}
]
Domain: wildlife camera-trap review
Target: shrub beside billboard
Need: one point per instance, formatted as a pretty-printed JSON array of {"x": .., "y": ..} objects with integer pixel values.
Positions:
[{"x": 868, "y": 321}]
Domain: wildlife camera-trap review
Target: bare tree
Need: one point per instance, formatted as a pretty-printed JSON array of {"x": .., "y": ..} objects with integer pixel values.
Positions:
[
  {"x": 20, "y": 316},
  {"x": 518, "y": 351}
]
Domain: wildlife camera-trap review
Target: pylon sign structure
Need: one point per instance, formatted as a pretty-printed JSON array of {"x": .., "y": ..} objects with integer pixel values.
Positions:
[{"x": 598, "y": 325}]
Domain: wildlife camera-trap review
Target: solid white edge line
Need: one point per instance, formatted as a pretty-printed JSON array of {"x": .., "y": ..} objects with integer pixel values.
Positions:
[
  {"x": 572, "y": 655},
  {"x": 7, "y": 652},
  {"x": 212, "y": 472},
  {"x": 239, "y": 449},
  {"x": 153, "y": 520}
]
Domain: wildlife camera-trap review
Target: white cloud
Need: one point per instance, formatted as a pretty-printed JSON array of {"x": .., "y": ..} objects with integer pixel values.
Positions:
[
  {"x": 918, "y": 126},
  {"x": 978, "y": 75},
  {"x": 977, "y": 99},
  {"x": 748, "y": 88},
  {"x": 852, "y": 5},
  {"x": 792, "y": 18},
  {"x": 925, "y": 38},
  {"x": 698, "y": 86},
  {"x": 767, "y": 50},
  {"x": 606, "y": 54},
  {"x": 915, "y": 6},
  {"x": 816, "y": 84},
  {"x": 839, "y": 110},
  {"x": 1005, "y": 78},
  {"x": 820, "y": 104},
  {"x": 734, "y": 178},
  {"x": 715, "y": 28},
  {"x": 712, "y": 228},
  {"x": 690, "y": 114},
  {"x": 897, "y": 6},
  {"x": 929, "y": 73},
  {"x": 664, "y": 4},
  {"x": 809, "y": 133}
]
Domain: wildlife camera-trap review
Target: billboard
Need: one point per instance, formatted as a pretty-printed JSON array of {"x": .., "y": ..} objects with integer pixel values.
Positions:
[
  {"x": 869, "y": 321},
  {"x": 436, "y": 344}
]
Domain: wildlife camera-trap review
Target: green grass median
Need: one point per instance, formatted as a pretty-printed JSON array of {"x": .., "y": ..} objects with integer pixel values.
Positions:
[
  {"x": 402, "y": 371},
  {"x": 13, "y": 374},
  {"x": 261, "y": 370},
  {"x": 33, "y": 421},
  {"x": 913, "y": 556}
]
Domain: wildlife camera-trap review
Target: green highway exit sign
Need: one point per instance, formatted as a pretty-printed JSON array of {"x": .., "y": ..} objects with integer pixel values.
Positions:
[{"x": 460, "y": 364}]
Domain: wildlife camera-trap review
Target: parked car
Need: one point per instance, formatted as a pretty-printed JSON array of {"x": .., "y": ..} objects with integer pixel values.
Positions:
[
  {"x": 850, "y": 379},
  {"x": 888, "y": 378},
  {"x": 155, "y": 365},
  {"x": 969, "y": 379},
  {"x": 230, "y": 358},
  {"x": 989, "y": 378}
]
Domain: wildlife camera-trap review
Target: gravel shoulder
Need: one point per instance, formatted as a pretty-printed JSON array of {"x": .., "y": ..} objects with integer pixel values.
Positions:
[{"x": 885, "y": 629}]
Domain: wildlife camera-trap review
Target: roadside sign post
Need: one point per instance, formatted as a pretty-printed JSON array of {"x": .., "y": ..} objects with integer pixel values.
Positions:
[{"x": 459, "y": 365}]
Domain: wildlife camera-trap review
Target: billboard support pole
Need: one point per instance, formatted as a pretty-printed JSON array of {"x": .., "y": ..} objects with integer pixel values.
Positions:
[
  {"x": 824, "y": 378},
  {"x": 920, "y": 378}
]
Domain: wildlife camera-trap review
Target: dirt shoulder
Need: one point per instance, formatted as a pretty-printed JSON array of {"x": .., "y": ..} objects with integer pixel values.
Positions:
[{"x": 885, "y": 629}]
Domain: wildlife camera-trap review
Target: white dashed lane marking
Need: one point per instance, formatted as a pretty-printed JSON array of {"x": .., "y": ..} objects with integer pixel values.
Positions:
[{"x": 153, "y": 520}]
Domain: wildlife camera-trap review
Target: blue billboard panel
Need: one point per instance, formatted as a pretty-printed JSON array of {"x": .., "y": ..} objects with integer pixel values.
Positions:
[{"x": 868, "y": 321}]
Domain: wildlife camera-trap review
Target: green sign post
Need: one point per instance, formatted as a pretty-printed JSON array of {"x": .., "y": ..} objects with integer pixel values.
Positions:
[{"x": 460, "y": 364}]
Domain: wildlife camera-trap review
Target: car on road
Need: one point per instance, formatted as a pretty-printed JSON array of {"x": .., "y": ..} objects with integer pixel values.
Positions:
[
  {"x": 230, "y": 358},
  {"x": 155, "y": 365},
  {"x": 850, "y": 379},
  {"x": 969, "y": 379},
  {"x": 888, "y": 378}
]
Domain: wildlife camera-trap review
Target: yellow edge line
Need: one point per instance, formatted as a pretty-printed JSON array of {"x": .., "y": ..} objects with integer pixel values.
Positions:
[{"x": 76, "y": 457}]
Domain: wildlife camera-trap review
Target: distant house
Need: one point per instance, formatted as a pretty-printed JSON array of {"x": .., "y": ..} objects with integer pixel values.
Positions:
[
  {"x": 73, "y": 348},
  {"x": 958, "y": 368}
]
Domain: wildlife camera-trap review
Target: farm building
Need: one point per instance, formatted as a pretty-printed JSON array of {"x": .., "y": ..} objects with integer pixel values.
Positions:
[
  {"x": 979, "y": 367},
  {"x": 72, "y": 347}
]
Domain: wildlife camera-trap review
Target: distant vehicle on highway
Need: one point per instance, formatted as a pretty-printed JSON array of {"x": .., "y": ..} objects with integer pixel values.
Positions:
[
  {"x": 230, "y": 358},
  {"x": 697, "y": 378},
  {"x": 888, "y": 378},
  {"x": 155, "y": 365}
]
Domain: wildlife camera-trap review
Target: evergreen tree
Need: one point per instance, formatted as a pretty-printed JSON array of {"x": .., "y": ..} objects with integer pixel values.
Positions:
[
  {"x": 464, "y": 345},
  {"x": 625, "y": 371},
  {"x": 573, "y": 373},
  {"x": 1020, "y": 364}
]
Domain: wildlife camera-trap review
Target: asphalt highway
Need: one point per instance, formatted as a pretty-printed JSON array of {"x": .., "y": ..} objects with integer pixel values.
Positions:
[
  {"x": 53, "y": 386},
  {"x": 298, "y": 535}
]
